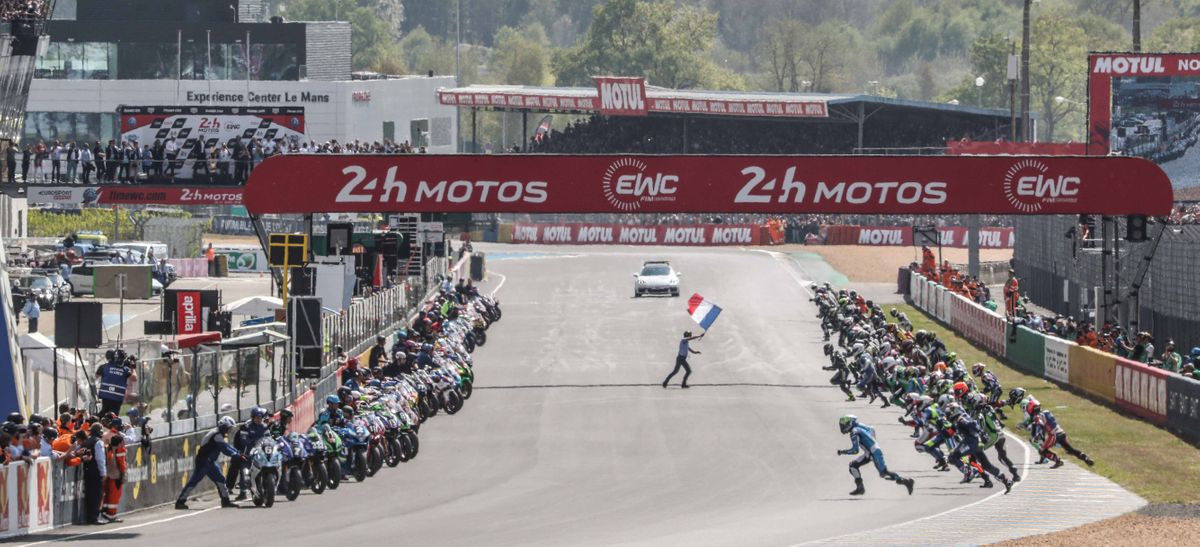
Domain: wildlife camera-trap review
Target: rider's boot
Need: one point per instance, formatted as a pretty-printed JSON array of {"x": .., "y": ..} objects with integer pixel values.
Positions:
[{"x": 858, "y": 488}]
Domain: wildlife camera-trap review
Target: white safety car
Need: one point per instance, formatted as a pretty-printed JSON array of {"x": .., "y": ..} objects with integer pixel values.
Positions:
[{"x": 656, "y": 277}]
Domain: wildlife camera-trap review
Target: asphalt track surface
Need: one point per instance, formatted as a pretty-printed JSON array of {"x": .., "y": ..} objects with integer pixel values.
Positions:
[{"x": 571, "y": 440}]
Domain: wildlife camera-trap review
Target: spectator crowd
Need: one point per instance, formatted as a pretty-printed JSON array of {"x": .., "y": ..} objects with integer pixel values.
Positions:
[
  {"x": 23, "y": 9},
  {"x": 94, "y": 442},
  {"x": 1110, "y": 338},
  {"x": 164, "y": 160}
]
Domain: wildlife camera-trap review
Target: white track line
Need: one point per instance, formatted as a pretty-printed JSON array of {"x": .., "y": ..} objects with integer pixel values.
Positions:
[
  {"x": 109, "y": 530},
  {"x": 503, "y": 278},
  {"x": 786, "y": 261}
]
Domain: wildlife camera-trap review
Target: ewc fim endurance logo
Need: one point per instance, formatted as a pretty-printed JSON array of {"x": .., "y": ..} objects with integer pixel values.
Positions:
[
  {"x": 1028, "y": 186},
  {"x": 627, "y": 185}
]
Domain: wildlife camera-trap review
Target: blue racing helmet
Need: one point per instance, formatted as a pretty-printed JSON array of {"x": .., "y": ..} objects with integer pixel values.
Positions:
[
  {"x": 332, "y": 399},
  {"x": 258, "y": 412}
]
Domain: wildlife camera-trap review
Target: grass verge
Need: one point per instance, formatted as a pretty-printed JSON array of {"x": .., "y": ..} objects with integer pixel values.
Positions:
[{"x": 1146, "y": 459}]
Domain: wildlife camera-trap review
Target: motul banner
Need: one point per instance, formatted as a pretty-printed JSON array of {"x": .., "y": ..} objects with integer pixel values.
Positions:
[
  {"x": 1104, "y": 67},
  {"x": 950, "y": 236},
  {"x": 622, "y": 96},
  {"x": 707, "y": 184},
  {"x": 187, "y": 313},
  {"x": 617, "y": 234},
  {"x": 75, "y": 196}
]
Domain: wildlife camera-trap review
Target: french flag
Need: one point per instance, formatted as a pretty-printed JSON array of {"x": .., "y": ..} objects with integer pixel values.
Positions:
[{"x": 703, "y": 311}]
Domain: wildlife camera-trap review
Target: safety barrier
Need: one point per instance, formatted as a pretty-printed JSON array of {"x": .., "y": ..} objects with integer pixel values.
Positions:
[
  {"x": 1153, "y": 394},
  {"x": 26, "y": 501},
  {"x": 189, "y": 267}
]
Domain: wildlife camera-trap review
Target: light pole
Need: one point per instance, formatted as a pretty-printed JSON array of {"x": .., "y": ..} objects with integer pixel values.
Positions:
[
  {"x": 979, "y": 81},
  {"x": 457, "y": 69},
  {"x": 1025, "y": 130},
  {"x": 1137, "y": 25}
]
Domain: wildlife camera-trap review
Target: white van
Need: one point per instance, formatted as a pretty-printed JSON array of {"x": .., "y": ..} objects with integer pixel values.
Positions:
[{"x": 144, "y": 247}]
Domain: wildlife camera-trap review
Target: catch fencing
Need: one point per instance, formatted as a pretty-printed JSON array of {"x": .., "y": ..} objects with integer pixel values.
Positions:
[
  {"x": 1061, "y": 274},
  {"x": 1155, "y": 395}
]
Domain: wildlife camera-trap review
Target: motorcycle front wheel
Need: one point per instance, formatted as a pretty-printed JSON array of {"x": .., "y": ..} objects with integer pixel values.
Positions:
[
  {"x": 413, "y": 444},
  {"x": 466, "y": 388},
  {"x": 480, "y": 337},
  {"x": 454, "y": 402},
  {"x": 375, "y": 460},
  {"x": 269, "y": 486},
  {"x": 395, "y": 454},
  {"x": 360, "y": 466},
  {"x": 295, "y": 483},
  {"x": 333, "y": 471},
  {"x": 319, "y": 477}
]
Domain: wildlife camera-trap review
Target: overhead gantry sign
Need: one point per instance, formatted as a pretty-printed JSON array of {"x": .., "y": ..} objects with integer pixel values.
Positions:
[{"x": 1007, "y": 185}]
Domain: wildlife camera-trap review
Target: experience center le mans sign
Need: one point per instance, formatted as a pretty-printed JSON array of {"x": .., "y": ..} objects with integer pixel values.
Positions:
[{"x": 696, "y": 184}]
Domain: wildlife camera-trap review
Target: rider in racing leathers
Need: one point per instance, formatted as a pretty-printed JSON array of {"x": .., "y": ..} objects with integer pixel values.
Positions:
[{"x": 864, "y": 436}]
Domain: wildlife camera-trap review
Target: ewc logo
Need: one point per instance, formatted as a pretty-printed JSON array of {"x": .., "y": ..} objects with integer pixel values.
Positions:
[
  {"x": 627, "y": 186},
  {"x": 1028, "y": 187}
]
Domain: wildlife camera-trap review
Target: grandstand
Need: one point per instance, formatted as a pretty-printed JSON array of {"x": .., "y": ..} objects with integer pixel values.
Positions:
[{"x": 711, "y": 122}]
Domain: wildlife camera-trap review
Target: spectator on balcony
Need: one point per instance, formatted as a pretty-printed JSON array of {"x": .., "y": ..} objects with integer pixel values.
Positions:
[
  {"x": 55, "y": 161},
  {"x": 10, "y": 162},
  {"x": 101, "y": 163},
  {"x": 26, "y": 159},
  {"x": 113, "y": 155},
  {"x": 71, "y": 156},
  {"x": 86, "y": 160},
  {"x": 170, "y": 152},
  {"x": 147, "y": 156},
  {"x": 39, "y": 161}
]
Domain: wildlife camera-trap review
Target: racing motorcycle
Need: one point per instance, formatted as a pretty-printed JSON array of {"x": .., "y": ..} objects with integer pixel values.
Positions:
[
  {"x": 265, "y": 460},
  {"x": 353, "y": 457},
  {"x": 334, "y": 450},
  {"x": 313, "y": 467}
]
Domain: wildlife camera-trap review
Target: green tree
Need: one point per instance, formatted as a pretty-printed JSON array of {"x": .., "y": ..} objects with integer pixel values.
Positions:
[
  {"x": 1057, "y": 68},
  {"x": 1182, "y": 34},
  {"x": 989, "y": 60},
  {"x": 669, "y": 44},
  {"x": 522, "y": 56}
]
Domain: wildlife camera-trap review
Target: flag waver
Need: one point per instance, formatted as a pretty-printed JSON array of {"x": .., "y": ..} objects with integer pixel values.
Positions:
[{"x": 703, "y": 311}]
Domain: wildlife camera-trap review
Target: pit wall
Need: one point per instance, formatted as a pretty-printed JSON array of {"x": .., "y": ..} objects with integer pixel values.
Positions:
[{"x": 1152, "y": 394}]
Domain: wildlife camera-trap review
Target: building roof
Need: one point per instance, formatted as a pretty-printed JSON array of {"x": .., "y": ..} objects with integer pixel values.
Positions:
[{"x": 679, "y": 101}]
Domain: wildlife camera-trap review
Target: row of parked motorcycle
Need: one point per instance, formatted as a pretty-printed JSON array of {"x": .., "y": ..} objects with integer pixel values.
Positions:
[{"x": 380, "y": 418}]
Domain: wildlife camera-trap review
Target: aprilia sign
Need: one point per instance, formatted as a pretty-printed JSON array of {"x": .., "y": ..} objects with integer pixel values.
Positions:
[
  {"x": 707, "y": 184},
  {"x": 621, "y": 96},
  {"x": 187, "y": 310}
]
